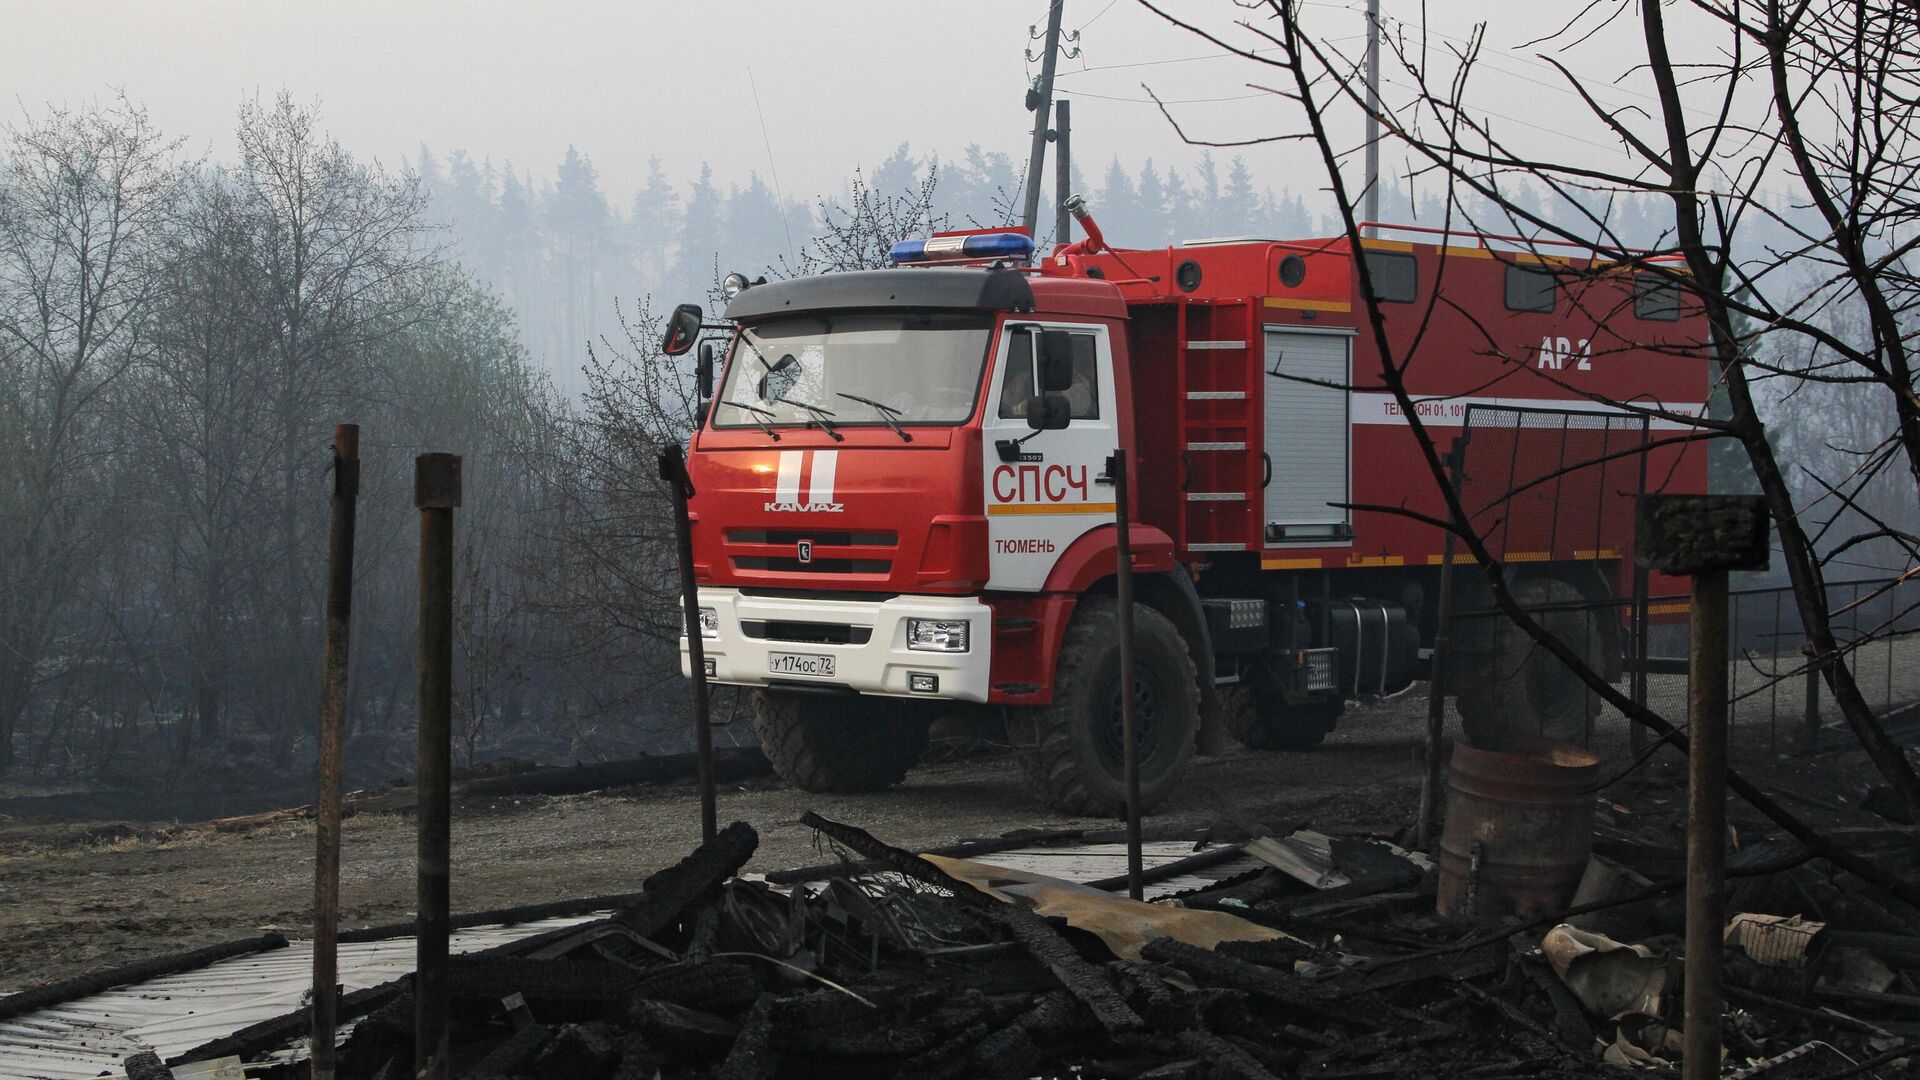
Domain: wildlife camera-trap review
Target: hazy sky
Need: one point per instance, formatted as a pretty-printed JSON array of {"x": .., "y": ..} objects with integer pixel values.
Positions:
[{"x": 839, "y": 83}]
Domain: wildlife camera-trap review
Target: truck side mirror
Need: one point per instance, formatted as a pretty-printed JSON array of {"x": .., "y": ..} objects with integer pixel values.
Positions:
[
  {"x": 682, "y": 327},
  {"x": 1049, "y": 412},
  {"x": 1055, "y": 362},
  {"x": 703, "y": 371}
]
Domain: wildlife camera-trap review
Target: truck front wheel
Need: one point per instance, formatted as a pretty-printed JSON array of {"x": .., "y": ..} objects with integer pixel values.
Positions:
[
  {"x": 1265, "y": 720},
  {"x": 1071, "y": 748},
  {"x": 839, "y": 745}
]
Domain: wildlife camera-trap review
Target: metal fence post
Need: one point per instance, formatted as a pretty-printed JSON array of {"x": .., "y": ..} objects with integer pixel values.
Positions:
[
  {"x": 1706, "y": 824},
  {"x": 1427, "y": 817},
  {"x": 1123, "y": 582},
  {"x": 436, "y": 491},
  {"x": 673, "y": 469},
  {"x": 1810, "y": 714},
  {"x": 333, "y": 708}
]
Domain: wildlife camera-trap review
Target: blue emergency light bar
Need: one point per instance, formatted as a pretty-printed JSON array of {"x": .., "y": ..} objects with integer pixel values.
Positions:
[{"x": 963, "y": 247}]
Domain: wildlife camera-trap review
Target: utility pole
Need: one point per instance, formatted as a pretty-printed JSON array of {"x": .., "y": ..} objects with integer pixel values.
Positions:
[
  {"x": 1042, "y": 113},
  {"x": 1063, "y": 173},
  {"x": 1373, "y": 108}
]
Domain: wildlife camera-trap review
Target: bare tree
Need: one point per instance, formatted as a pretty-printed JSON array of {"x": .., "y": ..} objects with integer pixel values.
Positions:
[
  {"x": 86, "y": 198},
  {"x": 196, "y": 410},
  {"x": 336, "y": 246},
  {"x": 860, "y": 234},
  {"x": 1841, "y": 70}
]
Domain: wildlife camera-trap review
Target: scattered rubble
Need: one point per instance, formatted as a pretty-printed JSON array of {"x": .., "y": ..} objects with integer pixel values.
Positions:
[{"x": 1333, "y": 965}]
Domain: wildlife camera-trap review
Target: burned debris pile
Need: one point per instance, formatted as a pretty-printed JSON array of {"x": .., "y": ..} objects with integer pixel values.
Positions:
[{"x": 913, "y": 966}]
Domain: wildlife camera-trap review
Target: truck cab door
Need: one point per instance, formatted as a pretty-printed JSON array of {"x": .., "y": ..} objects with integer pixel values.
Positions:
[{"x": 1041, "y": 491}]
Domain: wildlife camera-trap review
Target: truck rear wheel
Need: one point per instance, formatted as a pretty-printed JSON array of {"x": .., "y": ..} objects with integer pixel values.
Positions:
[
  {"x": 1509, "y": 685},
  {"x": 839, "y": 745},
  {"x": 1071, "y": 748},
  {"x": 1265, "y": 721}
]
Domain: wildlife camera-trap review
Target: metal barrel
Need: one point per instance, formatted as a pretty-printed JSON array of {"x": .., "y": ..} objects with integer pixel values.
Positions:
[{"x": 1519, "y": 828}]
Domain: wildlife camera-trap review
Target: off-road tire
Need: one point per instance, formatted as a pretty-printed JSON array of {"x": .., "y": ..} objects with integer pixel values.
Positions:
[
  {"x": 1266, "y": 722},
  {"x": 1508, "y": 685},
  {"x": 839, "y": 745},
  {"x": 1070, "y": 748}
]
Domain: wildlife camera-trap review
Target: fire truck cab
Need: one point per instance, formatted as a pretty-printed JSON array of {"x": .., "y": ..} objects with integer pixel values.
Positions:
[{"x": 902, "y": 505}]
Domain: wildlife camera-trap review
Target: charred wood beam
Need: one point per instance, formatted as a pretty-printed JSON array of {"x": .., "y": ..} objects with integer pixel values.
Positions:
[
  {"x": 667, "y": 895},
  {"x": 1176, "y": 868},
  {"x": 1224, "y": 1056},
  {"x": 524, "y": 913},
  {"x": 568, "y": 987},
  {"x": 578, "y": 1052},
  {"x": 512, "y": 1057},
  {"x": 752, "y": 1056},
  {"x": 886, "y": 856},
  {"x": 1085, "y": 981},
  {"x": 729, "y": 764},
  {"x": 145, "y": 1065},
  {"x": 1210, "y": 967}
]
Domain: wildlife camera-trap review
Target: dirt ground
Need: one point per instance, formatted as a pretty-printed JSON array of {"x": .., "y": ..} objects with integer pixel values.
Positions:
[{"x": 64, "y": 910}]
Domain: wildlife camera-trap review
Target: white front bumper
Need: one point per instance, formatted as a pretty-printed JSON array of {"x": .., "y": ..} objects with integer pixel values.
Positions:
[{"x": 882, "y": 665}]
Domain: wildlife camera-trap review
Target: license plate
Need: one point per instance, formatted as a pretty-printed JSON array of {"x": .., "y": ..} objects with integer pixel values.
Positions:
[{"x": 787, "y": 663}]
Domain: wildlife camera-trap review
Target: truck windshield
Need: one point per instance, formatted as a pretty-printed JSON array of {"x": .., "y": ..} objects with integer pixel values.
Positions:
[{"x": 920, "y": 367}]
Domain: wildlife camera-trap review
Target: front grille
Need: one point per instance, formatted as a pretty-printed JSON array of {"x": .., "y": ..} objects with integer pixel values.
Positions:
[
  {"x": 841, "y": 538},
  {"x": 1323, "y": 669},
  {"x": 809, "y": 633},
  {"x": 816, "y": 566}
]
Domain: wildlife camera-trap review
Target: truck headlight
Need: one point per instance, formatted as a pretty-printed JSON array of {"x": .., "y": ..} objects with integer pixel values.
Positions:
[
  {"x": 937, "y": 635},
  {"x": 709, "y": 622}
]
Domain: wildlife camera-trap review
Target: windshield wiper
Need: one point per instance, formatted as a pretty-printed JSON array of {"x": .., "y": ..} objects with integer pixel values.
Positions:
[
  {"x": 819, "y": 417},
  {"x": 887, "y": 414},
  {"x": 759, "y": 417}
]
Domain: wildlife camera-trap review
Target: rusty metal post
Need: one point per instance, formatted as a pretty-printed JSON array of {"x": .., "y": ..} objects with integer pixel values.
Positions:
[
  {"x": 333, "y": 709},
  {"x": 436, "y": 491},
  {"x": 1705, "y": 537},
  {"x": 1425, "y": 829},
  {"x": 1810, "y": 708},
  {"x": 1123, "y": 588},
  {"x": 1706, "y": 824},
  {"x": 1637, "y": 679},
  {"x": 673, "y": 469}
]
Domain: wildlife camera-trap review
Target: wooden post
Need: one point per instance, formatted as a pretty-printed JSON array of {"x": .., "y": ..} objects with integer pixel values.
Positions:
[
  {"x": 1129, "y": 734},
  {"x": 1705, "y": 536},
  {"x": 436, "y": 491},
  {"x": 673, "y": 469},
  {"x": 333, "y": 708}
]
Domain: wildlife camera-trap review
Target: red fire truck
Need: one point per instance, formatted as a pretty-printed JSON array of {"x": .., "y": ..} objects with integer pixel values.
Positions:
[{"x": 901, "y": 503}]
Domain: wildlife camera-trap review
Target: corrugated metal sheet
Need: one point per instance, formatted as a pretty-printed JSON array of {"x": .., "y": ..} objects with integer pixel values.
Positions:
[
  {"x": 1096, "y": 862},
  {"x": 171, "y": 1015},
  {"x": 90, "y": 1037}
]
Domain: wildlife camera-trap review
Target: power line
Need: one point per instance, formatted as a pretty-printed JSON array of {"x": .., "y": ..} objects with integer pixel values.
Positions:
[
  {"x": 778, "y": 199},
  {"x": 1170, "y": 101},
  {"x": 1097, "y": 14}
]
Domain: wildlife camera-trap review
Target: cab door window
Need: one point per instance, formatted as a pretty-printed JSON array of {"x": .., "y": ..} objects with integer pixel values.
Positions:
[{"x": 1016, "y": 386}]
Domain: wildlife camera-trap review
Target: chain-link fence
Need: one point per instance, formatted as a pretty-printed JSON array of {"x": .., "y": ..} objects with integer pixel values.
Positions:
[{"x": 1561, "y": 485}]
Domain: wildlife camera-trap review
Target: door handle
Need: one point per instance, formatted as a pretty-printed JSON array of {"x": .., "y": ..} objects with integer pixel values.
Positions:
[{"x": 1266, "y": 461}]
